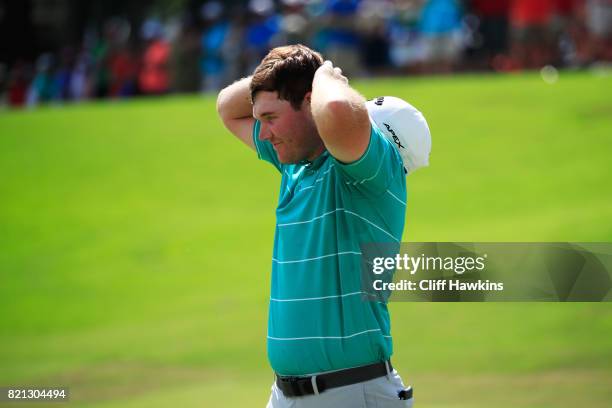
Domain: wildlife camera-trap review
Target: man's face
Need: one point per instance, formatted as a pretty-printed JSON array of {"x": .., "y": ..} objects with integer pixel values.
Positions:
[{"x": 292, "y": 133}]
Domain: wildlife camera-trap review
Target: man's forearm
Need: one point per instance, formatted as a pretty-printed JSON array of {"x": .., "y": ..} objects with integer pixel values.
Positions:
[
  {"x": 330, "y": 92},
  {"x": 234, "y": 101},
  {"x": 236, "y": 111},
  {"x": 339, "y": 113}
]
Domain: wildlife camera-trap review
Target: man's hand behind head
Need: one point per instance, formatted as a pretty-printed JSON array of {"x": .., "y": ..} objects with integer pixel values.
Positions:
[{"x": 329, "y": 70}]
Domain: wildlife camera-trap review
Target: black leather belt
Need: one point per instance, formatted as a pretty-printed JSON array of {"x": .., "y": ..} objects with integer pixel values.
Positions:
[{"x": 316, "y": 384}]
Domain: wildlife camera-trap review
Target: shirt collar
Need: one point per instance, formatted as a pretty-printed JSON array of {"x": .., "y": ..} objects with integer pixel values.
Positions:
[{"x": 316, "y": 163}]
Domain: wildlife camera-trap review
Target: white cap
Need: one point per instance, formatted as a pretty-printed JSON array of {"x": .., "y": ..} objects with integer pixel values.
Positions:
[{"x": 405, "y": 127}]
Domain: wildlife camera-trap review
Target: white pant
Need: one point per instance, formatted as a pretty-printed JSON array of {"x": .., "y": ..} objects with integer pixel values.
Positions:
[{"x": 377, "y": 393}]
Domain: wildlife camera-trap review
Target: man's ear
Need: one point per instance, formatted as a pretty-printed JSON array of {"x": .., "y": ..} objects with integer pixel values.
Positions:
[
  {"x": 307, "y": 97},
  {"x": 306, "y": 102}
]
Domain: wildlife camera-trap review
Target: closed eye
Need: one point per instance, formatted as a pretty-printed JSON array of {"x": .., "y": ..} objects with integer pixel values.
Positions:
[{"x": 266, "y": 117}]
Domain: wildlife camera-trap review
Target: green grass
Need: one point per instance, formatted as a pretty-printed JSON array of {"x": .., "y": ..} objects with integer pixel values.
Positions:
[{"x": 135, "y": 244}]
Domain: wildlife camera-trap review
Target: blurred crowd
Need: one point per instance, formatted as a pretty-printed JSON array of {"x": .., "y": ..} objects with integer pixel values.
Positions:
[{"x": 206, "y": 50}]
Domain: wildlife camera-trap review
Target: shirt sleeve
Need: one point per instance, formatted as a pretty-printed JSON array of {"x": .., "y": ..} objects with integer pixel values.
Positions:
[
  {"x": 265, "y": 150},
  {"x": 379, "y": 165}
]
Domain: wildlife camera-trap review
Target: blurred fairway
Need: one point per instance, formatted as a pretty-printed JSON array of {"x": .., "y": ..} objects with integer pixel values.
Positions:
[{"x": 136, "y": 237}]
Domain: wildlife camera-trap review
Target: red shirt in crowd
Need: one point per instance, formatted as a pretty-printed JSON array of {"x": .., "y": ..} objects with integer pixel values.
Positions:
[
  {"x": 491, "y": 8},
  {"x": 567, "y": 7},
  {"x": 154, "y": 77},
  {"x": 124, "y": 68},
  {"x": 531, "y": 12}
]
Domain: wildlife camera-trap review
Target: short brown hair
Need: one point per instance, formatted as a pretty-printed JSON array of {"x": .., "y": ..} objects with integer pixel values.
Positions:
[{"x": 288, "y": 70}]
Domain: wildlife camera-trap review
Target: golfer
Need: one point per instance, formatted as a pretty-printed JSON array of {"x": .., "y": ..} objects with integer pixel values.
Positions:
[{"x": 342, "y": 183}]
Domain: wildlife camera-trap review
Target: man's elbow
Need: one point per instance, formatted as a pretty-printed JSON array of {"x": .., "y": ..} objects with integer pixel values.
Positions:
[
  {"x": 341, "y": 107},
  {"x": 344, "y": 111},
  {"x": 222, "y": 103}
]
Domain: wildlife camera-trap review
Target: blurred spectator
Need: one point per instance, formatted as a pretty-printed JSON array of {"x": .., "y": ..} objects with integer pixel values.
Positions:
[
  {"x": 261, "y": 31},
  {"x": 406, "y": 45},
  {"x": 185, "y": 58},
  {"x": 440, "y": 27},
  {"x": 154, "y": 77},
  {"x": 123, "y": 65},
  {"x": 599, "y": 23},
  {"x": 100, "y": 72},
  {"x": 62, "y": 76},
  {"x": 375, "y": 48},
  {"x": 18, "y": 84},
  {"x": 532, "y": 40},
  {"x": 375, "y": 35},
  {"x": 563, "y": 24},
  {"x": 234, "y": 57},
  {"x": 214, "y": 38},
  {"x": 80, "y": 80},
  {"x": 339, "y": 39},
  {"x": 295, "y": 27},
  {"x": 41, "y": 88},
  {"x": 491, "y": 37}
]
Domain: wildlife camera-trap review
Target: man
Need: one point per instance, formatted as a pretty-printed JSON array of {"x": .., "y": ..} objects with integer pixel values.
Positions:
[{"x": 342, "y": 185}]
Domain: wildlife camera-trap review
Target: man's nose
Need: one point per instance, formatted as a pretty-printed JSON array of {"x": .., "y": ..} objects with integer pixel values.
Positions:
[{"x": 264, "y": 132}]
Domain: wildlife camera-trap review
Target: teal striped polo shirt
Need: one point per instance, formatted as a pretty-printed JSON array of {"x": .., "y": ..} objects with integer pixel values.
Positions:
[{"x": 318, "y": 320}]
